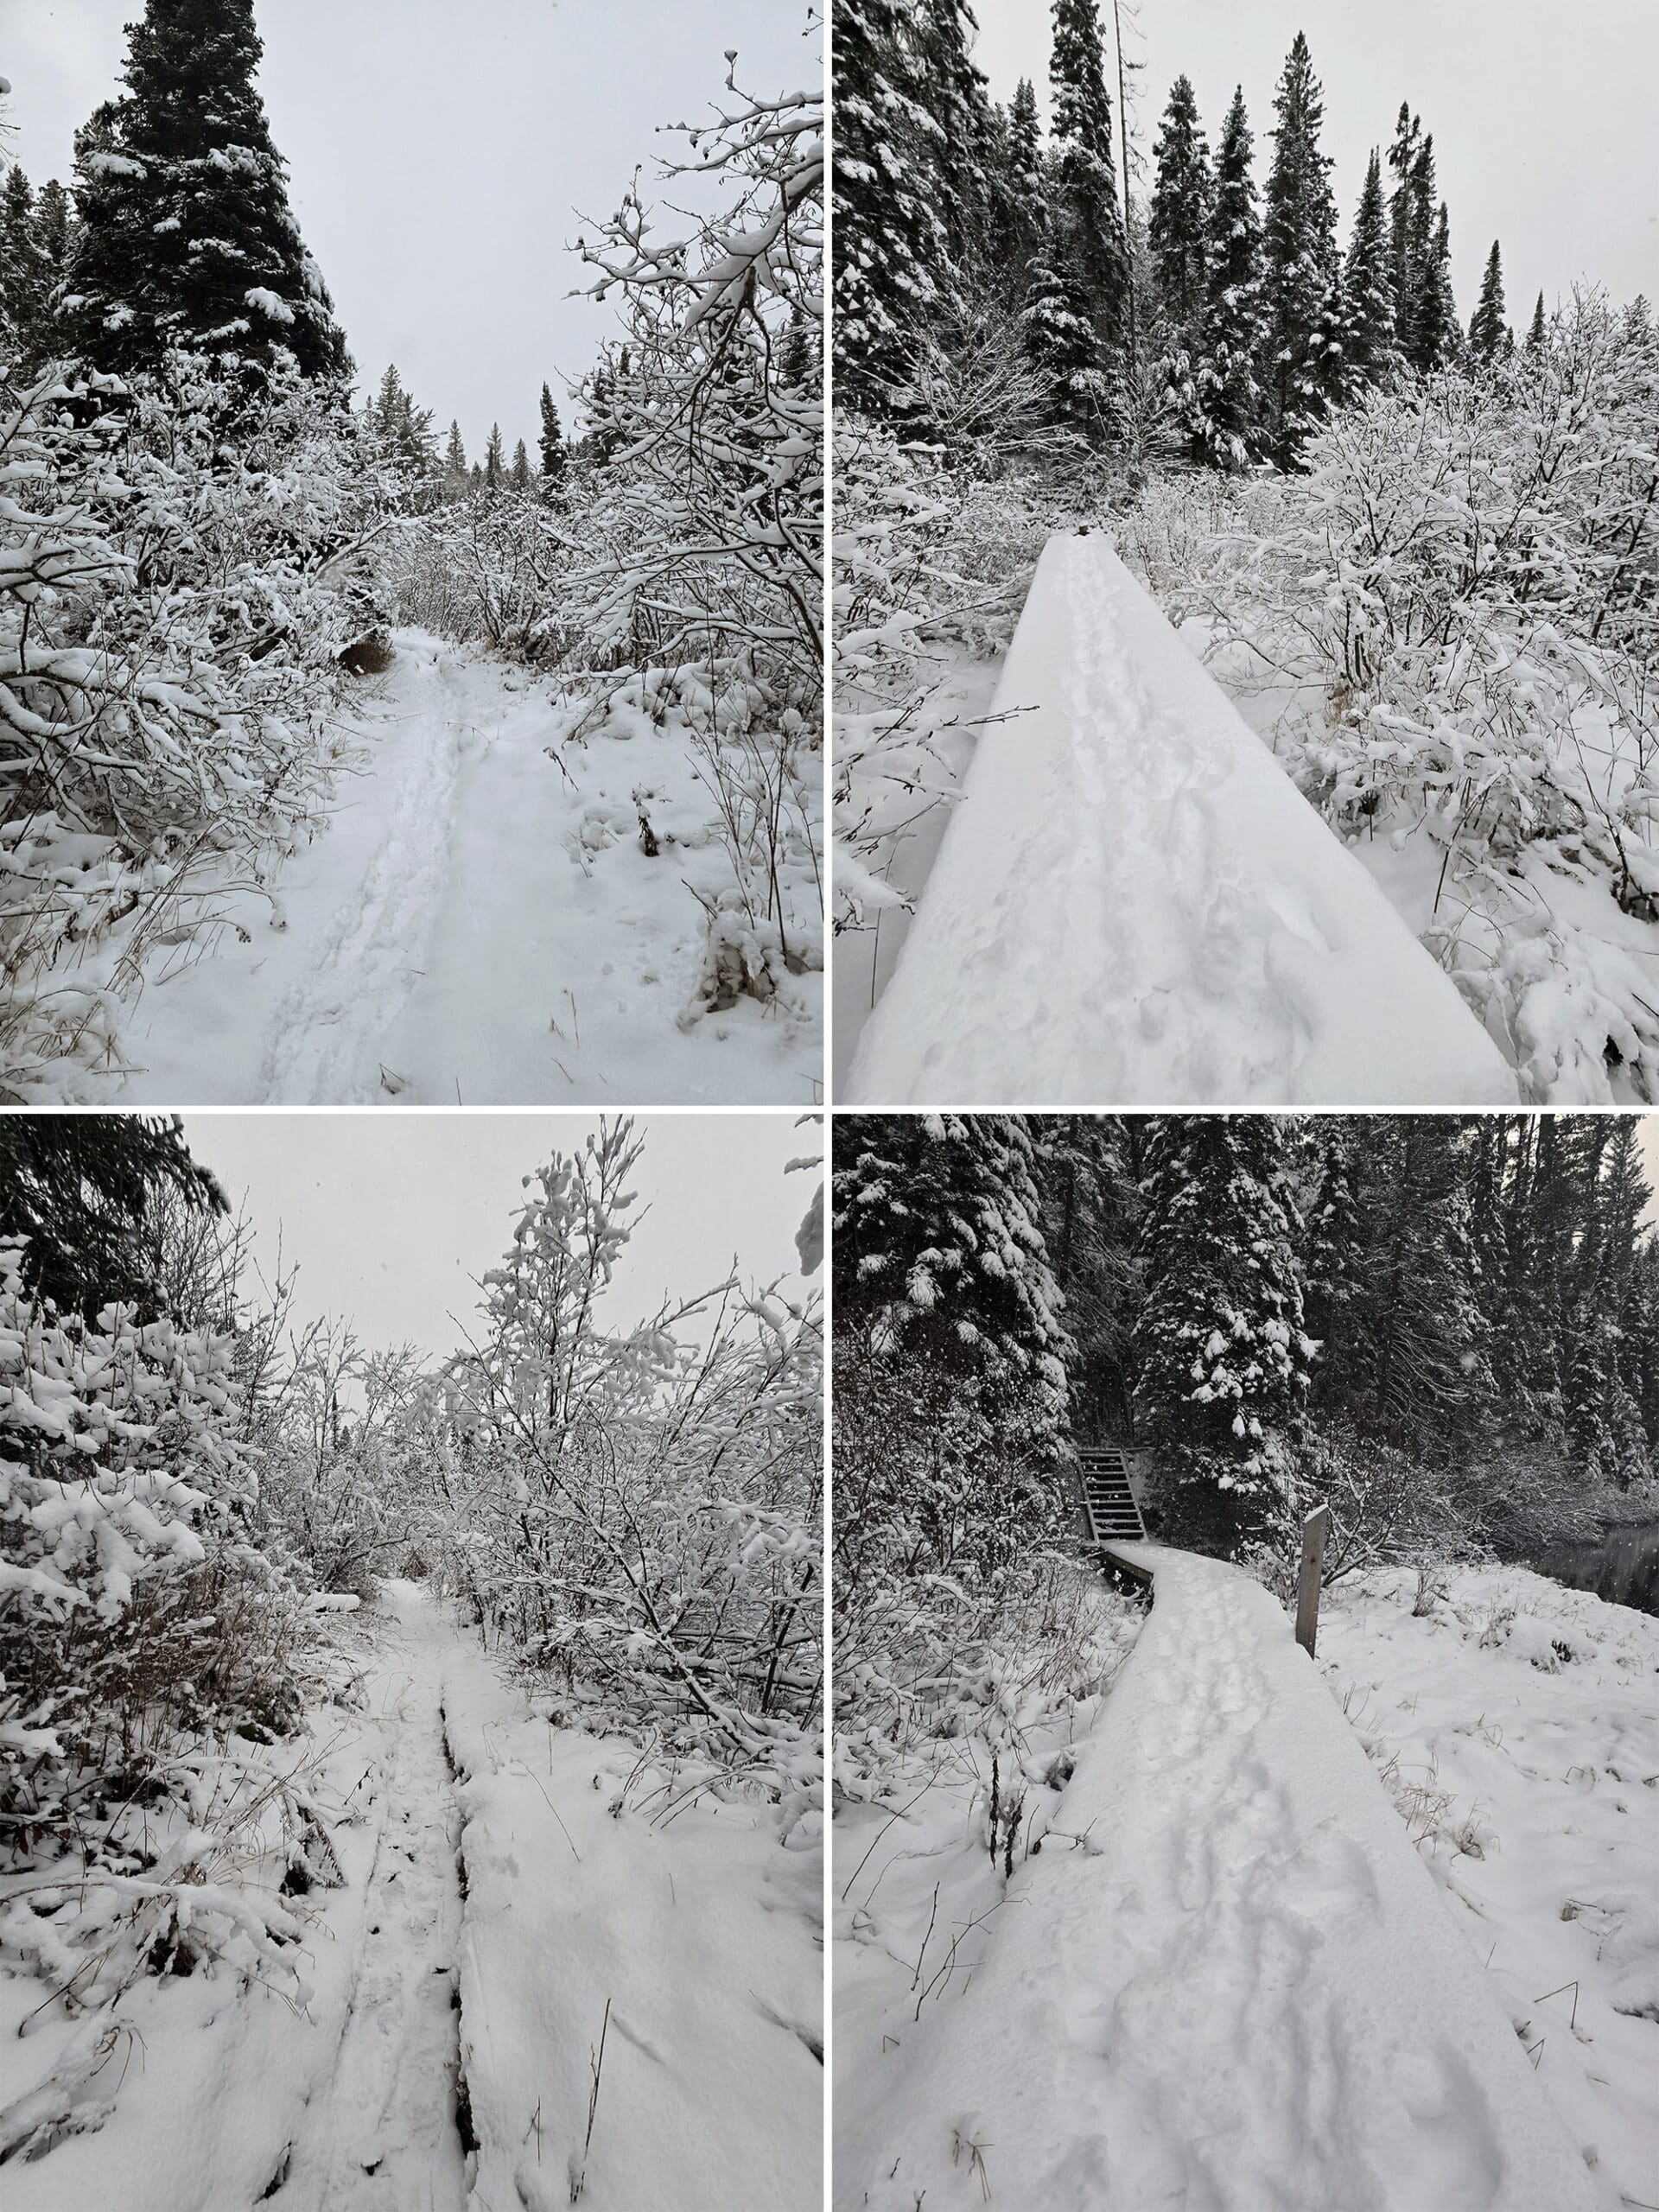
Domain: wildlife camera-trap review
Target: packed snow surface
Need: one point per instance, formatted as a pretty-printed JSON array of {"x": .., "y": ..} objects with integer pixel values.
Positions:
[
  {"x": 505, "y": 1876},
  {"x": 476, "y": 926},
  {"x": 1228, "y": 1984},
  {"x": 1134, "y": 905}
]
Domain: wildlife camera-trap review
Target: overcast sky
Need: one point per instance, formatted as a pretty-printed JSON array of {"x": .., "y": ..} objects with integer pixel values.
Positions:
[
  {"x": 438, "y": 151},
  {"x": 392, "y": 1217},
  {"x": 1542, "y": 112}
]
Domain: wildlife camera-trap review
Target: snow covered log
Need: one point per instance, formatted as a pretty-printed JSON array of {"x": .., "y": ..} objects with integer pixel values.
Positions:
[{"x": 1134, "y": 905}]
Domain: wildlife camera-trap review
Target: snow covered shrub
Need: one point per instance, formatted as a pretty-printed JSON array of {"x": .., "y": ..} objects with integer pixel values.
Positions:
[
  {"x": 637, "y": 1512},
  {"x": 150, "y": 1650},
  {"x": 165, "y": 662},
  {"x": 1460, "y": 598}
]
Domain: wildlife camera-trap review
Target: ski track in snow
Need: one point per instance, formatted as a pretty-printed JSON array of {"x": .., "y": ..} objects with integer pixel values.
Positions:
[
  {"x": 383, "y": 2136},
  {"x": 1228, "y": 1985},
  {"x": 475, "y": 925}
]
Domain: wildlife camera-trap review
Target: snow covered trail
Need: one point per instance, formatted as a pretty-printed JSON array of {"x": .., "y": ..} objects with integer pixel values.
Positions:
[
  {"x": 383, "y": 2130},
  {"x": 1227, "y": 1985},
  {"x": 1134, "y": 905},
  {"x": 476, "y": 925}
]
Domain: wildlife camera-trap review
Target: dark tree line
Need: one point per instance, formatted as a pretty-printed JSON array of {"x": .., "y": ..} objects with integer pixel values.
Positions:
[
  {"x": 1444, "y": 1313},
  {"x": 1232, "y": 313}
]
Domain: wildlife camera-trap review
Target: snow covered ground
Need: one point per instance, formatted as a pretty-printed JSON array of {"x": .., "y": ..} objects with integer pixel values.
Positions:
[
  {"x": 1132, "y": 903},
  {"x": 506, "y": 1877},
  {"x": 479, "y": 925},
  {"x": 1225, "y": 1980},
  {"x": 1516, "y": 1724}
]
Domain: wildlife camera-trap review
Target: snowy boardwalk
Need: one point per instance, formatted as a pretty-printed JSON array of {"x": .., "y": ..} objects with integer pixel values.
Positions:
[
  {"x": 1228, "y": 1984},
  {"x": 1134, "y": 905}
]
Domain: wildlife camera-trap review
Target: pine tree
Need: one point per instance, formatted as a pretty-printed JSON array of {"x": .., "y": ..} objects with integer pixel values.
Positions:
[
  {"x": 889, "y": 242},
  {"x": 1439, "y": 333},
  {"x": 1536, "y": 333},
  {"x": 1221, "y": 1356},
  {"x": 1300, "y": 244},
  {"x": 1061, "y": 344},
  {"x": 185, "y": 236},
  {"x": 52, "y": 236},
  {"x": 495, "y": 466},
  {"x": 1489, "y": 334},
  {"x": 1369, "y": 329},
  {"x": 1027, "y": 193},
  {"x": 1086, "y": 212},
  {"x": 1229, "y": 398},
  {"x": 1429, "y": 332},
  {"x": 1182, "y": 203},
  {"x": 554, "y": 457},
  {"x": 454, "y": 461},
  {"x": 520, "y": 467},
  {"x": 21, "y": 277},
  {"x": 953, "y": 93}
]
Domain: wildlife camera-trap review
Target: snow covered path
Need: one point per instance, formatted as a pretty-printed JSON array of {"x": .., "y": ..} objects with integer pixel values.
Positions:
[
  {"x": 1228, "y": 1984},
  {"x": 1134, "y": 905},
  {"x": 476, "y": 926},
  {"x": 382, "y": 2130}
]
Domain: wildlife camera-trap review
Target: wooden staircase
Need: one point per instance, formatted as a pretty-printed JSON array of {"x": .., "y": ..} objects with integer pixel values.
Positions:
[{"x": 1114, "y": 1514}]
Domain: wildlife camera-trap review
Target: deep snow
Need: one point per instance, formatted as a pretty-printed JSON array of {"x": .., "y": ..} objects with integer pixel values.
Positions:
[
  {"x": 1226, "y": 1983},
  {"x": 1516, "y": 1725},
  {"x": 504, "y": 1873},
  {"x": 476, "y": 926},
  {"x": 1133, "y": 904}
]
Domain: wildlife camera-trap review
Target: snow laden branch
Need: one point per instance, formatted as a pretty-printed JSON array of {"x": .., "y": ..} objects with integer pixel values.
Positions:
[{"x": 637, "y": 1511}]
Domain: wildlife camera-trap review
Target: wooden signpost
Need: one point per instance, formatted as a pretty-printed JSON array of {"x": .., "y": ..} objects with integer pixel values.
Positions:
[{"x": 1307, "y": 1581}]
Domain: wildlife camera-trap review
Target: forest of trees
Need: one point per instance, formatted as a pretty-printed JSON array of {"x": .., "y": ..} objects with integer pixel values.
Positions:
[
  {"x": 1446, "y": 1327},
  {"x": 191, "y": 1488},
  {"x": 197, "y": 523}
]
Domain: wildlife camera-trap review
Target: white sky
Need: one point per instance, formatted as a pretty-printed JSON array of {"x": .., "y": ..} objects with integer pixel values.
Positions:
[
  {"x": 392, "y": 1217},
  {"x": 438, "y": 152},
  {"x": 1544, "y": 113}
]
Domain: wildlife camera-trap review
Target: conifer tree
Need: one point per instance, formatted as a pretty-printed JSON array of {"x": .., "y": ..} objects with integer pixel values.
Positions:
[
  {"x": 1367, "y": 328},
  {"x": 1439, "y": 333},
  {"x": 520, "y": 471},
  {"x": 495, "y": 466},
  {"x": 454, "y": 460},
  {"x": 1402, "y": 160},
  {"x": 953, "y": 92},
  {"x": 184, "y": 235},
  {"x": 1299, "y": 251},
  {"x": 889, "y": 241},
  {"x": 1229, "y": 398},
  {"x": 554, "y": 457},
  {"x": 1535, "y": 333},
  {"x": 1028, "y": 191},
  {"x": 1179, "y": 230},
  {"x": 1061, "y": 341},
  {"x": 1489, "y": 334},
  {"x": 1086, "y": 209},
  {"x": 1221, "y": 1356},
  {"x": 22, "y": 274}
]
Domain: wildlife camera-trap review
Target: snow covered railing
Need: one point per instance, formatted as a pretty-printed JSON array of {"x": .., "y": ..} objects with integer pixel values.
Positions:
[{"x": 1133, "y": 904}]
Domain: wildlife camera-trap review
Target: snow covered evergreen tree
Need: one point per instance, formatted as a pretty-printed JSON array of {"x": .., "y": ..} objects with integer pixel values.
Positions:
[
  {"x": 185, "y": 237},
  {"x": 1536, "y": 329},
  {"x": 890, "y": 246},
  {"x": 554, "y": 459},
  {"x": 1369, "y": 347},
  {"x": 495, "y": 461},
  {"x": 1489, "y": 333},
  {"x": 1026, "y": 195},
  {"x": 1183, "y": 199},
  {"x": 1299, "y": 260},
  {"x": 520, "y": 471},
  {"x": 1061, "y": 341},
  {"x": 1230, "y": 396},
  {"x": 1222, "y": 1359},
  {"x": 952, "y": 91},
  {"x": 1439, "y": 334},
  {"x": 1402, "y": 161},
  {"x": 1086, "y": 208}
]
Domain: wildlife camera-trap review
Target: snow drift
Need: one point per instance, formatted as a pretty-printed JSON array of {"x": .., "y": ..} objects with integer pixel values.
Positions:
[{"x": 1133, "y": 904}]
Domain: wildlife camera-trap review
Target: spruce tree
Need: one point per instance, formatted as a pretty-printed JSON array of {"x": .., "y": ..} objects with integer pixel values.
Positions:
[
  {"x": 1299, "y": 249},
  {"x": 1182, "y": 202},
  {"x": 889, "y": 242},
  {"x": 1369, "y": 329},
  {"x": 1062, "y": 344},
  {"x": 1221, "y": 1356},
  {"x": 1489, "y": 334},
  {"x": 953, "y": 93},
  {"x": 554, "y": 457},
  {"x": 185, "y": 236},
  {"x": 1402, "y": 159},
  {"x": 1027, "y": 196},
  {"x": 1229, "y": 398},
  {"x": 1536, "y": 333},
  {"x": 454, "y": 460},
  {"x": 520, "y": 471},
  {"x": 1439, "y": 333},
  {"x": 495, "y": 466},
  {"x": 22, "y": 274},
  {"x": 1086, "y": 209}
]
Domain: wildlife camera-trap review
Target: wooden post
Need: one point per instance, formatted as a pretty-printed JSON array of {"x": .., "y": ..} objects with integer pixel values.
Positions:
[{"x": 1307, "y": 1581}]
